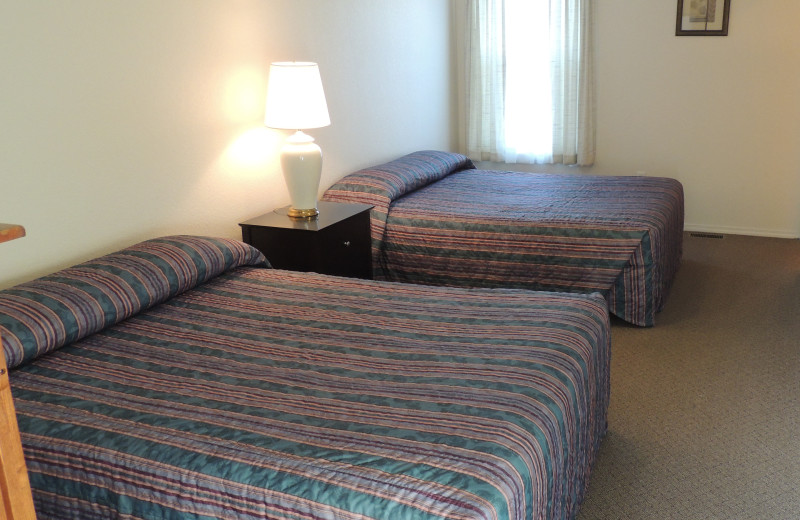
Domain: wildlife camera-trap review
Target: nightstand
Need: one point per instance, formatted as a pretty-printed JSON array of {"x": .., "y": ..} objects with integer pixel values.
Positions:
[{"x": 336, "y": 242}]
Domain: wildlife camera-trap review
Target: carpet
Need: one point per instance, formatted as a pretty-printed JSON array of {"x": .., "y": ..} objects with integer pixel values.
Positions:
[{"x": 704, "y": 419}]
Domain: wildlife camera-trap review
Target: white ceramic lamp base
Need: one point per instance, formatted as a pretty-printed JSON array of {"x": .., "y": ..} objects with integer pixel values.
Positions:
[{"x": 301, "y": 160}]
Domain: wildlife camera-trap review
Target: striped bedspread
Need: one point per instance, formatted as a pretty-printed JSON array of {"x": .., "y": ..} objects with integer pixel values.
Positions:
[
  {"x": 270, "y": 394},
  {"x": 621, "y": 236}
]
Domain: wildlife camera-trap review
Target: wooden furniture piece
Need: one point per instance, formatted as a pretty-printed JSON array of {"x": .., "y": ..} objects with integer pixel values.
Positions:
[
  {"x": 10, "y": 232},
  {"x": 337, "y": 242},
  {"x": 15, "y": 490}
]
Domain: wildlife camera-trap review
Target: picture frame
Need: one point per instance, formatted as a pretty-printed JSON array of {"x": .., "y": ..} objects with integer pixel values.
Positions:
[{"x": 703, "y": 17}]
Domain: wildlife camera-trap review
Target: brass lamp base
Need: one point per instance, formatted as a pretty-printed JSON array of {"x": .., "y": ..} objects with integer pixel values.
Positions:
[{"x": 308, "y": 214}]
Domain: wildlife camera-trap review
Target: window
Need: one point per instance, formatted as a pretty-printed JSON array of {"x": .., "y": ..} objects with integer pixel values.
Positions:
[
  {"x": 528, "y": 106},
  {"x": 528, "y": 81}
]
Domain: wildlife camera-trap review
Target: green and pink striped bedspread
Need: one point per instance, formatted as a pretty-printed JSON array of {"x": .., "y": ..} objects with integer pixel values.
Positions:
[
  {"x": 439, "y": 221},
  {"x": 270, "y": 394}
]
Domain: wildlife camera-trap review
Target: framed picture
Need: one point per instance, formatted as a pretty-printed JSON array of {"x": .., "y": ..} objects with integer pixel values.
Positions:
[{"x": 703, "y": 17}]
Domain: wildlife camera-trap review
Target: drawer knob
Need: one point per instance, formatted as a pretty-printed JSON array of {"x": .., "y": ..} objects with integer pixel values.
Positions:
[{"x": 346, "y": 243}]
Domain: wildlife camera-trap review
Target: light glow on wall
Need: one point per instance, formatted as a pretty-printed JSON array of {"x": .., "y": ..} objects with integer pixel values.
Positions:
[
  {"x": 254, "y": 153},
  {"x": 244, "y": 95}
]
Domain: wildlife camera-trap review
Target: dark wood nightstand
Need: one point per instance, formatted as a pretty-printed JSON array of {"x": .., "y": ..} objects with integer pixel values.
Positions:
[{"x": 336, "y": 242}]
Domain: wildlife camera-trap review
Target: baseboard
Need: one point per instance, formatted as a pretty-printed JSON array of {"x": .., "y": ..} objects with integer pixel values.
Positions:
[{"x": 730, "y": 230}]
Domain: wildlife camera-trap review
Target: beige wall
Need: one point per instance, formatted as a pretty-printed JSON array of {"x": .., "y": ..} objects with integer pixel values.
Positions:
[
  {"x": 124, "y": 120},
  {"x": 721, "y": 114}
]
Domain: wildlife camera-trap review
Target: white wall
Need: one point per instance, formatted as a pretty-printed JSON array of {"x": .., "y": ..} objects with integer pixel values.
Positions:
[
  {"x": 127, "y": 120},
  {"x": 721, "y": 114}
]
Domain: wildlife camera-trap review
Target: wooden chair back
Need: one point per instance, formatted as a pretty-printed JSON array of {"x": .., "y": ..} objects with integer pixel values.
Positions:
[
  {"x": 15, "y": 489},
  {"x": 16, "y": 502}
]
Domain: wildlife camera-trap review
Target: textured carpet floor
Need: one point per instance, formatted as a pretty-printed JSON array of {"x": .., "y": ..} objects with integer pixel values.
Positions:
[{"x": 704, "y": 421}]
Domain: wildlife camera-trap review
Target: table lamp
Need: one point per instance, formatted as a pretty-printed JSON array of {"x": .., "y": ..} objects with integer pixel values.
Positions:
[{"x": 296, "y": 101}]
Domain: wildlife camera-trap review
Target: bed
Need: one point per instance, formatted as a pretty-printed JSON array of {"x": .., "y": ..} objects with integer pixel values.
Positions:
[
  {"x": 182, "y": 378},
  {"x": 438, "y": 220}
]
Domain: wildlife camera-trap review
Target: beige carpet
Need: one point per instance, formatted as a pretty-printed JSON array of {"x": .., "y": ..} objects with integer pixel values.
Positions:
[{"x": 704, "y": 421}]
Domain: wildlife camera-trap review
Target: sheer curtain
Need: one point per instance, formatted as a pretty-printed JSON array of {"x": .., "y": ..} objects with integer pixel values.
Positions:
[{"x": 528, "y": 81}]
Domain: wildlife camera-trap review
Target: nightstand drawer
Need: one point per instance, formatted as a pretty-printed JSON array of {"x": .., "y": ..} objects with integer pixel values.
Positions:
[
  {"x": 337, "y": 242},
  {"x": 345, "y": 250},
  {"x": 284, "y": 248}
]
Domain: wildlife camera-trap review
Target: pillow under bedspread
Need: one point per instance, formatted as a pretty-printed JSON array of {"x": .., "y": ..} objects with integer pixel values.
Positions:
[{"x": 45, "y": 314}]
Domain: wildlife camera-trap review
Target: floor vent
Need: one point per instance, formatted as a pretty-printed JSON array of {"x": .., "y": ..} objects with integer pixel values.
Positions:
[{"x": 706, "y": 235}]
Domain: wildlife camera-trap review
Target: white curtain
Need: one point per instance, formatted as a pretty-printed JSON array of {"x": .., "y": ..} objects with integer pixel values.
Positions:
[
  {"x": 528, "y": 81},
  {"x": 485, "y": 74}
]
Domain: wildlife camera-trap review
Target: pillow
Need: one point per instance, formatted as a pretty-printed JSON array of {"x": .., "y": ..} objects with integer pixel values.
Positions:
[
  {"x": 404, "y": 175},
  {"x": 45, "y": 314},
  {"x": 380, "y": 185}
]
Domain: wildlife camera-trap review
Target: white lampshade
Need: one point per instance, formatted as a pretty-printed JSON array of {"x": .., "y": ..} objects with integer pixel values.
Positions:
[{"x": 295, "y": 99}]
